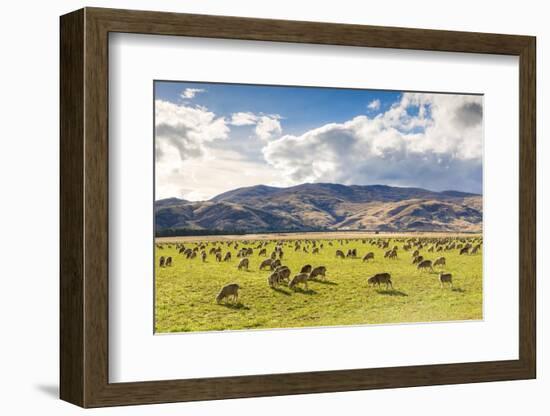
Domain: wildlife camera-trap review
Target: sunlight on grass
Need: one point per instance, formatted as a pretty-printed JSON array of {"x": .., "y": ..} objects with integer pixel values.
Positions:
[{"x": 186, "y": 291}]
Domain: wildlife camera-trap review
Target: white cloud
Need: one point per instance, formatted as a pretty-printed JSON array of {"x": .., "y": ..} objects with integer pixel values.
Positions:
[
  {"x": 243, "y": 119},
  {"x": 427, "y": 140},
  {"x": 268, "y": 127},
  {"x": 183, "y": 131},
  {"x": 189, "y": 93},
  {"x": 202, "y": 179},
  {"x": 374, "y": 105}
]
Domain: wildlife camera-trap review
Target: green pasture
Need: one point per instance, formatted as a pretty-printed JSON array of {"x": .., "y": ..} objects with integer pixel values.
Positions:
[{"x": 185, "y": 292}]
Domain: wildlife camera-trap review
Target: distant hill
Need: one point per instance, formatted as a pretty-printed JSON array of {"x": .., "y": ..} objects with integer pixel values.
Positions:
[{"x": 321, "y": 206}]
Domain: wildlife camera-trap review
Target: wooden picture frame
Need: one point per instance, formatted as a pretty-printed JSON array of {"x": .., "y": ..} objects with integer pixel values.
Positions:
[{"x": 84, "y": 207}]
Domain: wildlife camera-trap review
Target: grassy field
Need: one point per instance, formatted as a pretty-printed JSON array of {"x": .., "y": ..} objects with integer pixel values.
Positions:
[{"x": 185, "y": 292}]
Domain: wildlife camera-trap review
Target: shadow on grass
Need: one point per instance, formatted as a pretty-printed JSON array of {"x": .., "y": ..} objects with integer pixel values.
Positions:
[
  {"x": 304, "y": 291},
  {"x": 323, "y": 281},
  {"x": 458, "y": 290},
  {"x": 234, "y": 305},
  {"x": 391, "y": 292},
  {"x": 281, "y": 291}
]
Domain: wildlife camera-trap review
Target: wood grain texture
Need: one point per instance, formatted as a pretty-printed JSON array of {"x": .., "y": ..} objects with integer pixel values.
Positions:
[
  {"x": 71, "y": 213},
  {"x": 84, "y": 205}
]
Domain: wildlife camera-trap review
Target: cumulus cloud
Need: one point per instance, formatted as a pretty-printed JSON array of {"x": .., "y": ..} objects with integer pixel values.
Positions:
[
  {"x": 428, "y": 140},
  {"x": 267, "y": 127},
  {"x": 190, "y": 93},
  {"x": 243, "y": 119},
  {"x": 202, "y": 179},
  {"x": 184, "y": 130},
  {"x": 374, "y": 105}
]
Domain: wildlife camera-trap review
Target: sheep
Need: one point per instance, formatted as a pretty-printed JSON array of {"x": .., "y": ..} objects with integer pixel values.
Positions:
[
  {"x": 231, "y": 290},
  {"x": 306, "y": 269},
  {"x": 168, "y": 262},
  {"x": 425, "y": 264},
  {"x": 275, "y": 264},
  {"x": 339, "y": 254},
  {"x": 284, "y": 273},
  {"x": 445, "y": 278},
  {"x": 368, "y": 256},
  {"x": 464, "y": 250},
  {"x": 440, "y": 262},
  {"x": 315, "y": 250},
  {"x": 274, "y": 279},
  {"x": 299, "y": 278},
  {"x": 227, "y": 256},
  {"x": 392, "y": 254},
  {"x": 218, "y": 256},
  {"x": 416, "y": 253},
  {"x": 161, "y": 261},
  {"x": 243, "y": 264},
  {"x": 379, "y": 278},
  {"x": 266, "y": 263},
  {"x": 203, "y": 256},
  {"x": 263, "y": 252},
  {"x": 417, "y": 259},
  {"x": 318, "y": 271}
]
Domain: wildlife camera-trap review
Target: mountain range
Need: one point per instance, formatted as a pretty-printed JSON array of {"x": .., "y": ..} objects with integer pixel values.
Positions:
[{"x": 321, "y": 207}]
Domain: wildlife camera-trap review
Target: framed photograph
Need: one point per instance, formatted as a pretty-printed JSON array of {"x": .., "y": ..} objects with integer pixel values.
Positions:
[{"x": 255, "y": 207}]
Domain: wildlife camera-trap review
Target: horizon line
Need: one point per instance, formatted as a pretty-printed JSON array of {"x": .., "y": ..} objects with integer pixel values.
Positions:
[{"x": 320, "y": 183}]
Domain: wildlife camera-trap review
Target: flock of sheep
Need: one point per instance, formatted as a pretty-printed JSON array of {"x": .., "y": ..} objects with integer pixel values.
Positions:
[{"x": 280, "y": 274}]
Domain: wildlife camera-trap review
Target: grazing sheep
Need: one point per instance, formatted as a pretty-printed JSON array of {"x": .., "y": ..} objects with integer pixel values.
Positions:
[
  {"x": 203, "y": 256},
  {"x": 227, "y": 256},
  {"x": 475, "y": 249},
  {"x": 416, "y": 253},
  {"x": 368, "y": 256},
  {"x": 275, "y": 264},
  {"x": 425, "y": 264},
  {"x": 318, "y": 271},
  {"x": 218, "y": 256},
  {"x": 274, "y": 279},
  {"x": 229, "y": 291},
  {"x": 417, "y": 259},
  {"x": 440, "y": 262},
  {"x": 299, "y": 278},
  {"x": 243, "y": 264},
  {"x": 315, "y": 250},
  {"x": 380, "y": 278},
  {"x": 263, "y": 252},
  {"x": 306, "y": 269},
  {"x": 392, "y": 254},
  {"x": 284, "y": 273},
  {"x": 445, "y": 278},
  {"x": 168, "y": 262},
  {"x": 464, "y": 250},
  {"x": 266, "y": 263},
  {"x": 339, "y": 254}
]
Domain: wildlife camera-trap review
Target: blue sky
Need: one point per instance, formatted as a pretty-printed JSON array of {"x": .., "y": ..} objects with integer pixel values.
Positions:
[
  {"x": 212, "y": 137},
  {"x": 300, "y": 108}
]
